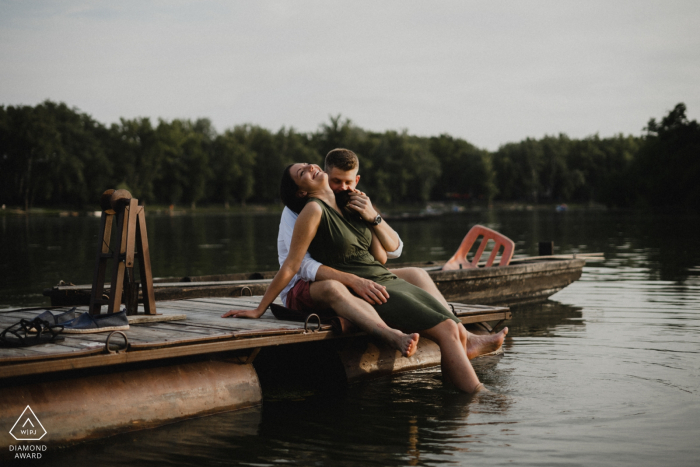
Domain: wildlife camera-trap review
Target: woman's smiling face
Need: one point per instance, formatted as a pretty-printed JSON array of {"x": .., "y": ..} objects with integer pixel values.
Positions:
[{"x": 308, "y": 177}]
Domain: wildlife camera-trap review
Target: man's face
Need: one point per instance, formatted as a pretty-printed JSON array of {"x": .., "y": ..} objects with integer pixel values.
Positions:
[{"x": 341, "y": 180}]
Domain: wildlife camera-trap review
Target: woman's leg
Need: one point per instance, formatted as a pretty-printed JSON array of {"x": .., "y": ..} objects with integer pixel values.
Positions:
[
  {"x": 453, "y": 360},
  {"x": 333, "y": 294}
]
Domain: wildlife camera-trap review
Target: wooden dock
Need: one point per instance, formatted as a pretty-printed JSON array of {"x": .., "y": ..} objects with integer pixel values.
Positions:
[
  {"x": 188, "y": 363},
  {"x": 202, "y": 331}
]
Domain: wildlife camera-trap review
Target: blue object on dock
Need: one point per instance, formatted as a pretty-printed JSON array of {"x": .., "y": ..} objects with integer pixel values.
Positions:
[
  {"x": 62, "y": 319},
  {"x": 86, "y": 323}
]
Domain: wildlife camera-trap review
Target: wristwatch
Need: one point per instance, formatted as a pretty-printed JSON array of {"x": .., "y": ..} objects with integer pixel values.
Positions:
[{"x": 377, "y": 220}]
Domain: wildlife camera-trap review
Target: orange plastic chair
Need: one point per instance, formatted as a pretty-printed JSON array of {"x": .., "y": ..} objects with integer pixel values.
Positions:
[{"x": 459, "y": 259}]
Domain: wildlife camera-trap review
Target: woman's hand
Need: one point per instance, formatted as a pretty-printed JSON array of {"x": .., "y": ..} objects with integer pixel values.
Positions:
[{"x": 250, "y": 314}]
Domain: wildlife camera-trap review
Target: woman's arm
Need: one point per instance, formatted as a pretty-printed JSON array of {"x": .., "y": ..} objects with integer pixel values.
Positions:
[
  {"x": 377, "y": 249},
  {"x": 304, "y": 232}
]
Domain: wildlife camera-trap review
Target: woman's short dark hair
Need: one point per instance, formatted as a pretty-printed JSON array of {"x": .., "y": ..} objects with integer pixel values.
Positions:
[{"x": 288, "y": 192}]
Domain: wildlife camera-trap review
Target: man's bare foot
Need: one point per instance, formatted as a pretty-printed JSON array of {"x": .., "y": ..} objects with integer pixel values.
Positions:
[{"x": 483, "y": 344}]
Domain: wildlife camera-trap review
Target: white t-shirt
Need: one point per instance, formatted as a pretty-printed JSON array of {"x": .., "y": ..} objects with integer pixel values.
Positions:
[{"x": 309, "y": 266}]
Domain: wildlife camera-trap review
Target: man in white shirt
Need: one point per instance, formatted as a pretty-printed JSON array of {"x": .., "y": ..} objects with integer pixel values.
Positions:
[{"x": 316, "y": 286}]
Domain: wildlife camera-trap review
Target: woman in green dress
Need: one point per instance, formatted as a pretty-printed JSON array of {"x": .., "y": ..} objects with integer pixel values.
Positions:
[{"x": 344, "y": 242}]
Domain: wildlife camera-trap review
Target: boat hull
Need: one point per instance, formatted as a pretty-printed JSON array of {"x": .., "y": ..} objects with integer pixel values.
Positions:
[
  {"x": 507, "y": 285},
  {"x": 519, "y": 282}
]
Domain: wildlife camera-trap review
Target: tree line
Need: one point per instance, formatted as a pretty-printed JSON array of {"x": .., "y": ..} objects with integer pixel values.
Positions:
[{"x": 53, "y": 155}]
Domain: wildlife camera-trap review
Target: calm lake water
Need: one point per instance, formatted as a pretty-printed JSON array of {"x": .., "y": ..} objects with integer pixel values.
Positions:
[{"x": 606, "y": 372}]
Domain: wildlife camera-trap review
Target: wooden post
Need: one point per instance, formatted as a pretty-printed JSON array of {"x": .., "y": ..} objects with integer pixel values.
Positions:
[
  {"x": 132, "y": 241},
  {"x": 546, "y": 248},
  {"x": 116, "y": 288},
  {"x": 149, "y": 298},
  {"x": 131, "y": 288},
  {"x": 98, "y": 281}
]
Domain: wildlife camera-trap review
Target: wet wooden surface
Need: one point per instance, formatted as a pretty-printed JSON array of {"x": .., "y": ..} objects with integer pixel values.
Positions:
[{"x": 202, "y": 331}]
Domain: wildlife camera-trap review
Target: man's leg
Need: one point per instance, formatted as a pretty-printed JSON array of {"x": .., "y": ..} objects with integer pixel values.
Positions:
[
  {"x": 456, "y": 368},
  {"x": 474, "y": 344},
  {"x": 333, "y": 294}
]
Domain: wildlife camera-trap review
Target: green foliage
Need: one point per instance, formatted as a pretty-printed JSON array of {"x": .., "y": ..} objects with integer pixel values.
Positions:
[
  {"x": 403, "y": 169},
  {"x": 135, "y": 153},
  {"x": 668, "y": 167},
  {"x": 467, "y": 171},
  {"x": 51, "y": 154},
  {"x": 233, "y": 162},
  {"x": 559, "y": 169},
  {"x": 183, "y": 152},
  {"x": 46, "y": 152}
]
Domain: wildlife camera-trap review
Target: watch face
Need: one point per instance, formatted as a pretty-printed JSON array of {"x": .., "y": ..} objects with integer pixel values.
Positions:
[{"x": 377, "y": 220}]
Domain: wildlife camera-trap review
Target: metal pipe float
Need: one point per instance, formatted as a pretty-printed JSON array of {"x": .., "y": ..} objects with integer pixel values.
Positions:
[{"x": 75, "y": 409}]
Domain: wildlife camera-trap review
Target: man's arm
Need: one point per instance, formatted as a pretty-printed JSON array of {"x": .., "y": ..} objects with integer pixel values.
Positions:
[{"x": 387, "y": 236}]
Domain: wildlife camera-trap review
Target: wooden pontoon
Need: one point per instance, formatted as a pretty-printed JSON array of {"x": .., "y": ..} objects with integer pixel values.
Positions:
[
  {"x": 186, "y": 361},
  {"x": 524, "y": 280}
]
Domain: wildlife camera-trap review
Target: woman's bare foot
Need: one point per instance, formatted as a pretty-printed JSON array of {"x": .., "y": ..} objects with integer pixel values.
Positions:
[
  {"x": 407, "y": 344},
  {"x": 483, "y": 344},
  {"x": 412, "y": 344}
]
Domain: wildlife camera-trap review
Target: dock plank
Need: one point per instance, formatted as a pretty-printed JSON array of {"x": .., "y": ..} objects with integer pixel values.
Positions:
[{"x": 202, "y": 331}]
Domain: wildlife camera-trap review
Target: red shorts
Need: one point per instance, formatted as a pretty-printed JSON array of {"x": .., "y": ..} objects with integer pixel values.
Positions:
[{"x": 299, "y": 297}]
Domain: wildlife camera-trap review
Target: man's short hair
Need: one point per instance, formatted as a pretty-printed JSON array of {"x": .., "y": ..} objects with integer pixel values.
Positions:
[{"x": 343, "y": 159}]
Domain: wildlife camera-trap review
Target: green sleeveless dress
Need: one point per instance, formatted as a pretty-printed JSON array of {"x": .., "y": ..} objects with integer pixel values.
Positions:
[{"x": 342, "y": 243}]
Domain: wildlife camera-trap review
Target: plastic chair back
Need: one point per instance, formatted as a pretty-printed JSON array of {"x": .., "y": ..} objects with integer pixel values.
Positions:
[{"x": 459, "y": 259}]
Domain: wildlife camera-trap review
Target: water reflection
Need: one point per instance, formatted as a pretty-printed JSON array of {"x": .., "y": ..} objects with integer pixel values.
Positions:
[
  {"x": 190, "y": 442},
  {"x": 37, "y": 252},
  {"x": 607, "y": 372},
  {"x": 546, "y": 319},
  {"x": 402, "y": 420},
  {"x": 407, "y": 419}
]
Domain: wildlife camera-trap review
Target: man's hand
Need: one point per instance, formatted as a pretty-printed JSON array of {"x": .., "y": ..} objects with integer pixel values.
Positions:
[
  {"x": 370, "y": 291},
  {"x": 250, "y": 314},
  {"x": 361, "y": 203}
]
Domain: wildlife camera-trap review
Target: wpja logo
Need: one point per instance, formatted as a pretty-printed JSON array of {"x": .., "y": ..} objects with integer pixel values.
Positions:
[{"x": 28, "y": 428}]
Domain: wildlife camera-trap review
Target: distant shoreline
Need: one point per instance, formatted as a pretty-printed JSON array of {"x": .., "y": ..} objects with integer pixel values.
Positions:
[
  {"x": 54, "y": 157},
  {"x": 393, "y": 212}
]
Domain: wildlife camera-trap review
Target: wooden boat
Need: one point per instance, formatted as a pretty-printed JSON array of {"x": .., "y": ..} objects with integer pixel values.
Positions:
[{"x": 523, "y": 280}]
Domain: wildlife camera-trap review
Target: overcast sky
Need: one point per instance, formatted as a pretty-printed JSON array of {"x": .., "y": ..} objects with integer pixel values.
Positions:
[{"x": 491, "y": 72}]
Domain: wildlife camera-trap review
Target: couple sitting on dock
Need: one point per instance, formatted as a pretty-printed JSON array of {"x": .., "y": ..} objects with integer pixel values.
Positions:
[{"x": 349, "y": 246}]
